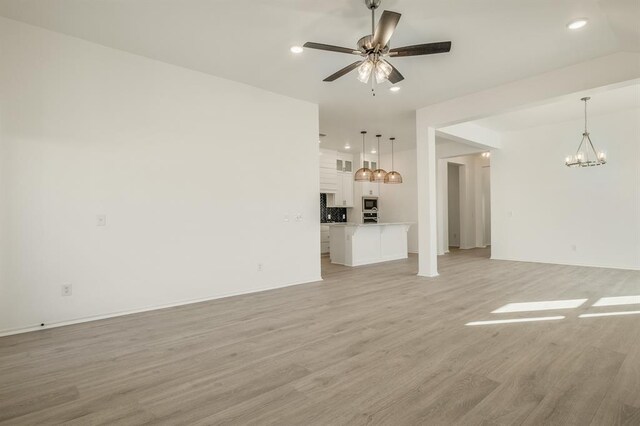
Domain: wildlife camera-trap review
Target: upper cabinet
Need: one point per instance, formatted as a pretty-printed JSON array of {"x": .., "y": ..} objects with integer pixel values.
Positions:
[
  {"x": 344, "y": 195},
  {"x": 340, "y": 194},
  {"x": 370, "y": 189},
  {"x": 343, "y": 164},
  {"x": 328, "y": 172}
]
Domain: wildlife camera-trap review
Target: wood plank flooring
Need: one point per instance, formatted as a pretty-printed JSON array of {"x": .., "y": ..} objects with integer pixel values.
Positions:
[{"x": 369, "y": 345}]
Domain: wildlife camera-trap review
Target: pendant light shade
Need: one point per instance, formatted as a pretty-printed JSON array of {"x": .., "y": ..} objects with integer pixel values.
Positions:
[
  {"x": 392, "y": 176},
  {"x": 586, "y": 155},
  {"x": 379, "y": 173},
  {"x": 363, "y": 174}
]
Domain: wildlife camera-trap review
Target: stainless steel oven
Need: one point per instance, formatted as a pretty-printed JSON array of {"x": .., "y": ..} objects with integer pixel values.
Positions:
[
  {"x": 369, "y": 204},
  {"x": 370, "y": 217}
]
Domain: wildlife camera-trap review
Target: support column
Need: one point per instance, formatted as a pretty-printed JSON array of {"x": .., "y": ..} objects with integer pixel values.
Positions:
[{"x": 427, "y": 213}]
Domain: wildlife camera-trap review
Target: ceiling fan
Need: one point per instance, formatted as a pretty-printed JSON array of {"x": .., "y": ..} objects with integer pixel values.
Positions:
[{"x": 375, "y": 47}]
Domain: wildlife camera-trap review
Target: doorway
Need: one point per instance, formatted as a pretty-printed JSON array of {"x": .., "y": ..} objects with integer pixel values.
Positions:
[
  {"x": 486, "y": 204},
  {"x": 453, "y": 200}
]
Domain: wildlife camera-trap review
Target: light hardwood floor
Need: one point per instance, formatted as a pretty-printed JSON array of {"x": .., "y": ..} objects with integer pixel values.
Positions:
[{"x": 368, "y": 345}]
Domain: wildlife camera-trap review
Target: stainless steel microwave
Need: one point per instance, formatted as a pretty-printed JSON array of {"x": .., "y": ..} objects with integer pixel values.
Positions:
[{"x": 369, "y": 204}]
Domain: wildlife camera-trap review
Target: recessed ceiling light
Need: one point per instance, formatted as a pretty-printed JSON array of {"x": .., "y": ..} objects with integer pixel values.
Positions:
[
  {"x": 373, "y": 151},
  {"x": 296, "y": 49},
  {"x": 347, "y": 146},
  {"x": 577, "y": 24},
  {"x": 395, "y": 88}
]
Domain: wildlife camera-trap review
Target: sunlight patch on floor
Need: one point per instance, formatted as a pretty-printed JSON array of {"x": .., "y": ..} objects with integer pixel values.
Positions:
[
  {"x": 540, "y": 306},
  {"x": 616, "y": 301},
  {"x": 609, "y": 314},
  {"x": 515, "y": 320}
]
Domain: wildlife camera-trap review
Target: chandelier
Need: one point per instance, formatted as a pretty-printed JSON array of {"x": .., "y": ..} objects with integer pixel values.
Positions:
[{"x": 586, "y": 155}]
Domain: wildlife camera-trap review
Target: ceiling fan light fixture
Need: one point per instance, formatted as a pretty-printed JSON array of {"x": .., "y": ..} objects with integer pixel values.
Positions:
[
  {"x": 382, "y": 71},
  {"x": 364, "y": 70}
]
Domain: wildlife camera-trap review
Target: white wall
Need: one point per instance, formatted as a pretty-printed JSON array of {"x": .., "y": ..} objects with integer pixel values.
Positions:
[
  {"x": 194, "y": 173},
  {"x": 542, "y": 209},
  {"x": 399, "y": 203}
]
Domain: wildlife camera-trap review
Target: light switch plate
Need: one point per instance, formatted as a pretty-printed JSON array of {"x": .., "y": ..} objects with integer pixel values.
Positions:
[{"x": 66, "y": 290}]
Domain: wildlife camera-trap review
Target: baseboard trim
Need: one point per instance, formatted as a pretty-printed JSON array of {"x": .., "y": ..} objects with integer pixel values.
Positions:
[
  {"x": 10, "y": 332},
  {"x": 583, "y": 265}
]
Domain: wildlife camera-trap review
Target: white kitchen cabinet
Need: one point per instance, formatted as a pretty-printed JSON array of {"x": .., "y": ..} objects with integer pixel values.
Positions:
[
  {"x": 324, "y": 239},
  {"x": 370, "y": 189},
  {"x": 328, "y": 172},
  {"x": 325, "y": 248},
  {"x": 343, "y": 196},
  {"x": 347, "y": 189},
  {"x": 344, "y": 165}
]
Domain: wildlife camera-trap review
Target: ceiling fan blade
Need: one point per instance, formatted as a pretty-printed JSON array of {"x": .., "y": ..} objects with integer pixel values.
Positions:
[
  {"x": 343, "y": 71},
  {"x": 421, "y": 49},
  {"x": 386, "y": 26},
  {"x": 394, "y": 76},
  {"x": 330, "y": 48}
]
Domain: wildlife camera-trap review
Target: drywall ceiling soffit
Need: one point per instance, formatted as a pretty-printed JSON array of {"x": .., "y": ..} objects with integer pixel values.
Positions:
[
  {"x": 567, "y": 108},
  {"x": 615, "y": 70}
]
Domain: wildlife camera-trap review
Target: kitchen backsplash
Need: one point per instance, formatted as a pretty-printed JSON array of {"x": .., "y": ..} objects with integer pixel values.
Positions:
[{"x": 331, "y": 214}]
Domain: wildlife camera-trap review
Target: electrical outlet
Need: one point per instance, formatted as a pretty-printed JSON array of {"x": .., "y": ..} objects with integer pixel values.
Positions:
[
  {"x": 101, "y": 220},
  {"x": 299, "y": 217},
  {"x": 67, "y": 290},
  {"x": 259, "y": 267}
]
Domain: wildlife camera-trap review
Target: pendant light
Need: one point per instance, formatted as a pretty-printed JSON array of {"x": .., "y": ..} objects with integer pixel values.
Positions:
[
  {"x": 586, "y": 155},
  {"x": 379, "y": 173},
  {"x": 363, "y": 174},
  {"x": 392, "y": 176}
]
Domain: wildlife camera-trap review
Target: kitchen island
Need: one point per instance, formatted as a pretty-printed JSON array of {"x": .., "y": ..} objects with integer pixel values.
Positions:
[{"x": 355, "y": 244}]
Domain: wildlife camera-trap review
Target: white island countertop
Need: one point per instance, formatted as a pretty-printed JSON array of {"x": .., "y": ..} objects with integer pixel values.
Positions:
[
  {"x": 367, "y": 224},
  {"x": 355, "y": 244}
]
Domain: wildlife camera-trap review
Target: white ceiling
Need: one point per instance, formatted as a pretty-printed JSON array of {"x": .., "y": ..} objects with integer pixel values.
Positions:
[
  {"x": 566, "y": 109},
  {"x": 494, "y": 42}
]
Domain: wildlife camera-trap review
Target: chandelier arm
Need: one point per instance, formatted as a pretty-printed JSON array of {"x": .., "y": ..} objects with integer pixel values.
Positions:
[
  {"x": 594, "y": 149},
  {"x": 581, "y": 143}
]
